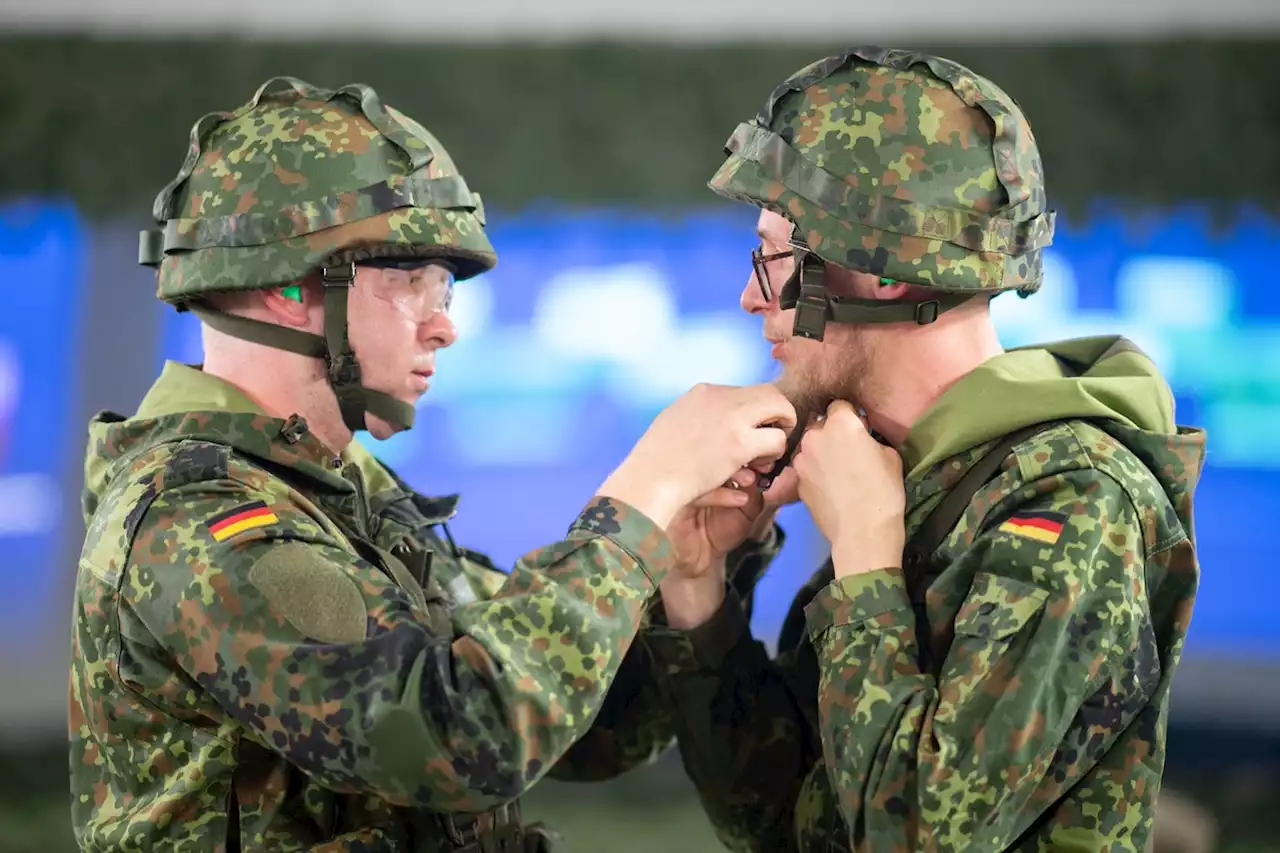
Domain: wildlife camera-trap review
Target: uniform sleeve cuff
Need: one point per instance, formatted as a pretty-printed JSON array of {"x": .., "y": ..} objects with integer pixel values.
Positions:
[
  {"x": 633, "y": 532},
  {"x": 704, "y": 647},
  {"x": 855, "y": 599}
]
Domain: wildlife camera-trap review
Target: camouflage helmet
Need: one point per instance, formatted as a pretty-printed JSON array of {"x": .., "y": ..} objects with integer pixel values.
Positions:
[
  {"x": 302, "y": 179},
  {"x": 902, "y": 165}
]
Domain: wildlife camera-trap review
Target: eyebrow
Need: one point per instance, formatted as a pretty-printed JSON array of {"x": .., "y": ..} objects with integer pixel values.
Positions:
[{"x": 765, "y": 238}]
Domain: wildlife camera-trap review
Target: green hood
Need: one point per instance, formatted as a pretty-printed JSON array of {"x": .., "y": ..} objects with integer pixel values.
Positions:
[
  {"x": 1107, "y": 379},
  {"x": 187, "y": 403}
]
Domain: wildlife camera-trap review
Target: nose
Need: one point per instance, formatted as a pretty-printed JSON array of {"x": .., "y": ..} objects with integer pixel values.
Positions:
[
  {"x": 752, "y": 299},
  {"x": 438, "y": 331}
]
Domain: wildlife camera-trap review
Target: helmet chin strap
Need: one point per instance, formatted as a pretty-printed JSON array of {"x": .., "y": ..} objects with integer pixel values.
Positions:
[
  {"x": 354, "y": 400},
  {"x": 342, "y": 367},
  {"x": 806, "y": 291}
]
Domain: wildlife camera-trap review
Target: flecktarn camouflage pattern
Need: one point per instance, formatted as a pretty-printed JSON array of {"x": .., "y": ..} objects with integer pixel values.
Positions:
[
  {"x": 899, "y": 164},
  {"x": 275, "y": 648},
  {"x": 300, "y": 176},
  {"x": 1055, "y": 624}
]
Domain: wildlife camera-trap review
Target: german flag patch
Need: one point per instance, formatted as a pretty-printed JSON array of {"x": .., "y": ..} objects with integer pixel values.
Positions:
[
  {"x": 1043, "y": 527},
  {"x": 222, "y": 527}
]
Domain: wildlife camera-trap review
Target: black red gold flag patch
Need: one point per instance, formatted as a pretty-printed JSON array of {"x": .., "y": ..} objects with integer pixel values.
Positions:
[
  {"x": 240, "y": 519},
  {"x": 1043, "y": 527}
]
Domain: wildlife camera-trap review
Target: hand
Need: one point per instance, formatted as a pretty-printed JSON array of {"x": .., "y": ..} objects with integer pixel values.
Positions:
[
  {"x": 705, "y": 531},
  {"x": 854, "y": 490},
  {"x": 697, "y": 443}
]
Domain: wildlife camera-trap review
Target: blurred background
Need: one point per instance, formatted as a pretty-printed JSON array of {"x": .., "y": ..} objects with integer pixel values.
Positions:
[{"x": 591, "y": 130}]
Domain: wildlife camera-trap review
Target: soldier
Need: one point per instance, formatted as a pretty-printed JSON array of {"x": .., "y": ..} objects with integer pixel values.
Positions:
[
  {"x": 984, "y": 662},
  {"x": 277, "y": 644}
]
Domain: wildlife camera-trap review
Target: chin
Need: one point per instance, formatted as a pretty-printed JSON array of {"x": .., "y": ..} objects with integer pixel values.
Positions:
[
  {"x": 380, "y": 429},
  {"x": 793, "y": 384},
  {"x": 804, "y": 392}
]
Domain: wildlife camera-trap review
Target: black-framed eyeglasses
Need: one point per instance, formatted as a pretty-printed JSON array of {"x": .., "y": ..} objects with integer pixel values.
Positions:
[
  {"x": 797, "y": 251},
  {"x": 760, "y": 261}
]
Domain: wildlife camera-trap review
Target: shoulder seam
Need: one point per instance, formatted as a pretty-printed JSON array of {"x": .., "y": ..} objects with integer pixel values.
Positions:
[
  {"x": 1067, "y": 426},
  {"x": 1102, "y": 473},
  {"x": 1160, "y": 545},
  {"x": 1023, "y": 479},
  {"x": 1137, "y": 518}
]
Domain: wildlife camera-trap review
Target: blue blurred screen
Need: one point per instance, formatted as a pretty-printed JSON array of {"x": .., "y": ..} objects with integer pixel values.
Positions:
[
  {"x": 596, "y": 319},
  {"x": 41, "y": 249}
]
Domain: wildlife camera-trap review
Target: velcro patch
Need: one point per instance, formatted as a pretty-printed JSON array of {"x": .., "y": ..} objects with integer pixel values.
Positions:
[
  {"x": 246, "y": 517},
  {"x": 1043, "y": 527},
  {"x": 315, "y": 595}
]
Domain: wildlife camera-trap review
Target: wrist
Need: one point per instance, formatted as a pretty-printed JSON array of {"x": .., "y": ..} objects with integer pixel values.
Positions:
[
  {"x": 656, "y": 497},
  {"x": 850, "y": 558},
  {"x": 690, "y": 601}
]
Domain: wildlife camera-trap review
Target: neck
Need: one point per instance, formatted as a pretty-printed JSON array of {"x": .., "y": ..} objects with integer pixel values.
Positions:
[
  {"x": 283, "y": 384},
  {"x": 906, "y": 382}
]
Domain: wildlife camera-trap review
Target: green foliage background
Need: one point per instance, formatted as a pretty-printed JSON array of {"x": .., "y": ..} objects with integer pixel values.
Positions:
[{"x": 1150, "y": 124}]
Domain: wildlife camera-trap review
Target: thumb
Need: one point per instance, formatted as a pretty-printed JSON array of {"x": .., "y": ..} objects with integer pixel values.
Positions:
[
  {"x": 785, "y": 489},
  {"x": 840, "y": 407}
]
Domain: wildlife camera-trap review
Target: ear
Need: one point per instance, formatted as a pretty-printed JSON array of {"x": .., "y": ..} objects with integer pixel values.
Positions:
[
  {"x": 288, "y": 305},
  {"x": 893, "y": 290}
]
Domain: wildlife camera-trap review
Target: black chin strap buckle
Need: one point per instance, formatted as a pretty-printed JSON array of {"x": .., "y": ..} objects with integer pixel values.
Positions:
[
  {"x": 340, "y": 358},
  {"x": 344, "y": 370},
  {"x": 811, "y": 318},
  {"x": 926, "y": 312},
  {"x": 813, "y": 307},
  {"x": 339, "y": 276}
]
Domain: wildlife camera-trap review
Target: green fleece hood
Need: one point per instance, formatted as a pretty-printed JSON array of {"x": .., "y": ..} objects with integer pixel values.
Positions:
[{"x": 1105, "y": 378}]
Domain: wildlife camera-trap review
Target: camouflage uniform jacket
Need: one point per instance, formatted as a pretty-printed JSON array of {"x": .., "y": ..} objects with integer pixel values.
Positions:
[
  {"x": 275, "y": 649},
  {"x": 1058, "y": 618}
]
